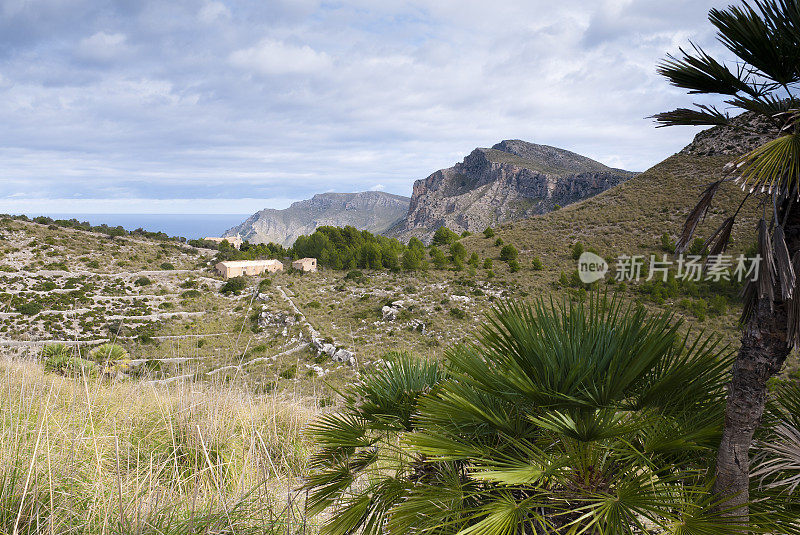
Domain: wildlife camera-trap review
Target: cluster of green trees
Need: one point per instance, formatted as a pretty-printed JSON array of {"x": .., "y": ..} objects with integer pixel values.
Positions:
[{"x": 347, "y": 248}]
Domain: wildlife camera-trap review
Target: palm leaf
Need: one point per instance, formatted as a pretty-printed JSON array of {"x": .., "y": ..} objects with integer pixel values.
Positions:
[
  {"x": 762, "y": 37},
  {"x": 772, "y": 167},
  {"x": 700, "y": 73},
  {"x": 705, "y": 116}
]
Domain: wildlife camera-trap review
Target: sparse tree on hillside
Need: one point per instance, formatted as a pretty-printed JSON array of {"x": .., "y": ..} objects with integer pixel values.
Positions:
[
  {"x": 764, "y": 38},
  {"x": 444, "y": 236}
]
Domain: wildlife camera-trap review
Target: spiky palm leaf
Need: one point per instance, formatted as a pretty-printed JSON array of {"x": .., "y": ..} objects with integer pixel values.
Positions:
[
  {"x": 360, "y": 469},
  {"x": 108, "y": 352}
]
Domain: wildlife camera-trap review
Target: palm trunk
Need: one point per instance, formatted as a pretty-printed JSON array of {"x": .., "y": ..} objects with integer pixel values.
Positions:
[{"x": 761, "y": 356}]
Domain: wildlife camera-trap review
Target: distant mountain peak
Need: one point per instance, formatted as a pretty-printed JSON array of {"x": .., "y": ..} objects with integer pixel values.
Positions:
[
  {"x": 513, "y": 179},
  {"x": 375, "y": 211}
]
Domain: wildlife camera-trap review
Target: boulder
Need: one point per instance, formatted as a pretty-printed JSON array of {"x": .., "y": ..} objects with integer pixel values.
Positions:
[
  {"x": 343, "y": 355},
  {"x": 389, "y": 313}
]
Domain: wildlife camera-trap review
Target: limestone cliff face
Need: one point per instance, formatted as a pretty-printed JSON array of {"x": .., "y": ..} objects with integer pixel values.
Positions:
[
  {"x": 512, "y": 180},
  {"x": 374, "y": 211}
]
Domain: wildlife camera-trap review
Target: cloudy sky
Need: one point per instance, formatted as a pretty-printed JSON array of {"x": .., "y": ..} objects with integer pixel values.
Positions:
[{"x": 228, "y": 107}]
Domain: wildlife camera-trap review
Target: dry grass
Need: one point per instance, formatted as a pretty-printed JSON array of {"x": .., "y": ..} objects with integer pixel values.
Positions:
[{"x": 83, "y": 455}]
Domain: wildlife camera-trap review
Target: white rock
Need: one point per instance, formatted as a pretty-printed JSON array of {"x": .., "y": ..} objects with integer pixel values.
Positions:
[
  {"x": 343, "y": 355},
  {"x": 389, "y": 313}
]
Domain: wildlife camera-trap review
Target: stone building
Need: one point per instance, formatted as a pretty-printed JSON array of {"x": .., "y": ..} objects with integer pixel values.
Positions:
[
  {"x": 238, "y": 268},
  {"x": 305, "y": 264},
  {"x": 235, "y": 241}
]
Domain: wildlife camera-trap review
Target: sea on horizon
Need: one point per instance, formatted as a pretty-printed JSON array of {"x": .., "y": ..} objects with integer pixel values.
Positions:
[{"x": 190, "y": 226}]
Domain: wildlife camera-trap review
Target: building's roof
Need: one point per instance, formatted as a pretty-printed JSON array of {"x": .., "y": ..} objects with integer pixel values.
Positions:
[
  {"x": 305, "y": 260},
  {"x": 245, "y": 263}
]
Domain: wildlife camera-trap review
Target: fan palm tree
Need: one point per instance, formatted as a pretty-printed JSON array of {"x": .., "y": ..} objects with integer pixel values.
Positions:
[
  {"x": 764, "y": 38},
  {"x": 580, "y": 418}
]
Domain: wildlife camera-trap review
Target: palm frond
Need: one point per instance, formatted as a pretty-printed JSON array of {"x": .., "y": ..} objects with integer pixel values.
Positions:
[
  {"x": 718, "y": 241},
  {"x": 765, "y": 284},
  {"x": 700, "y": 73},
  {"x": 704, "y": 116},
  {"x": 779, "y": 460},
  {"x": 772, "y": 167},
  {"x": 697, "y": 214},
  {"x": 770, "y": 105},
  {"x": 783, "y": 264},
  {"x": 762, "y": 37},
  {"x": 793, "y": 310}
]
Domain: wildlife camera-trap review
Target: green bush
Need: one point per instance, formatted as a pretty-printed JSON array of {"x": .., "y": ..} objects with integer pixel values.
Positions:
[
  {"x": 458, "y": 252},
  {"x": 513, "y": 265},
  {"x": 191, "y": 294},
  {"x": 487, "y": 264},
  {"x": 143, "y": 281},
  {"x": 498, "y": 242},
  {"x": 354, "y": 275},
  {"x": 536, "y": 264},
  {"x": 698, "y": 247},
  {"x": 474, "y": 260},
  {"x": 667, "y": 244},
  {"x": 508, "y": 253},
  {"x": 438, "y": 258},
  {"x": 577, "y": 250},
  {"x": 264, "y": 284},
  {"x": 444, "y": 236},
  {"x": 488, "y": 232},
  {"x": 458, "y": 313},
  {"x": 289, "y": 373},
  {"x": 31, "y": 308},
  {"x": 62, "y": 359},
  {"x": 167, "y": 266},
  {"x": 233, "y": 286}
]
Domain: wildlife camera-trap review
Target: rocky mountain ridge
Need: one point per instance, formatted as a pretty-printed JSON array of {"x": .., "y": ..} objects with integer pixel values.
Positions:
[
  {"x": 511, "y": 180},
  {"x": 374, "y": 211}
]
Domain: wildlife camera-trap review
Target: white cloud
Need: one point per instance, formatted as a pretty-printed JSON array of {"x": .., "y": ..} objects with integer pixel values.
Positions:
[
  {"x": 193, "y": 100},
  {"x": 102, "y": 46},
  {"x": 213, "y": 11},
  {"x": 275, "y": 57},
  {"x": 378, "y": 187}
]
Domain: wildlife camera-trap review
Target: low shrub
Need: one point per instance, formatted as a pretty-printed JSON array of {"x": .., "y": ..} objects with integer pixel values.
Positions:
[{"x": 233, "y": 286}]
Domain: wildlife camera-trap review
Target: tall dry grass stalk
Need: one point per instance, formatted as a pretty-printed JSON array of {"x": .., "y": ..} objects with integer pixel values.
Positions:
[{"x": 85, "y": 455}]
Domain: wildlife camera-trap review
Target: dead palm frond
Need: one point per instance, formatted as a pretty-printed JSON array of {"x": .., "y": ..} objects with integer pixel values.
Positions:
[
  {"x": 783, "y": 263},
  {"x": 793, "y": 311},
  {"x": 719, "y": 240},
  {"x": 698, "y": 214},
  {"x": 766, "y": 275}
]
